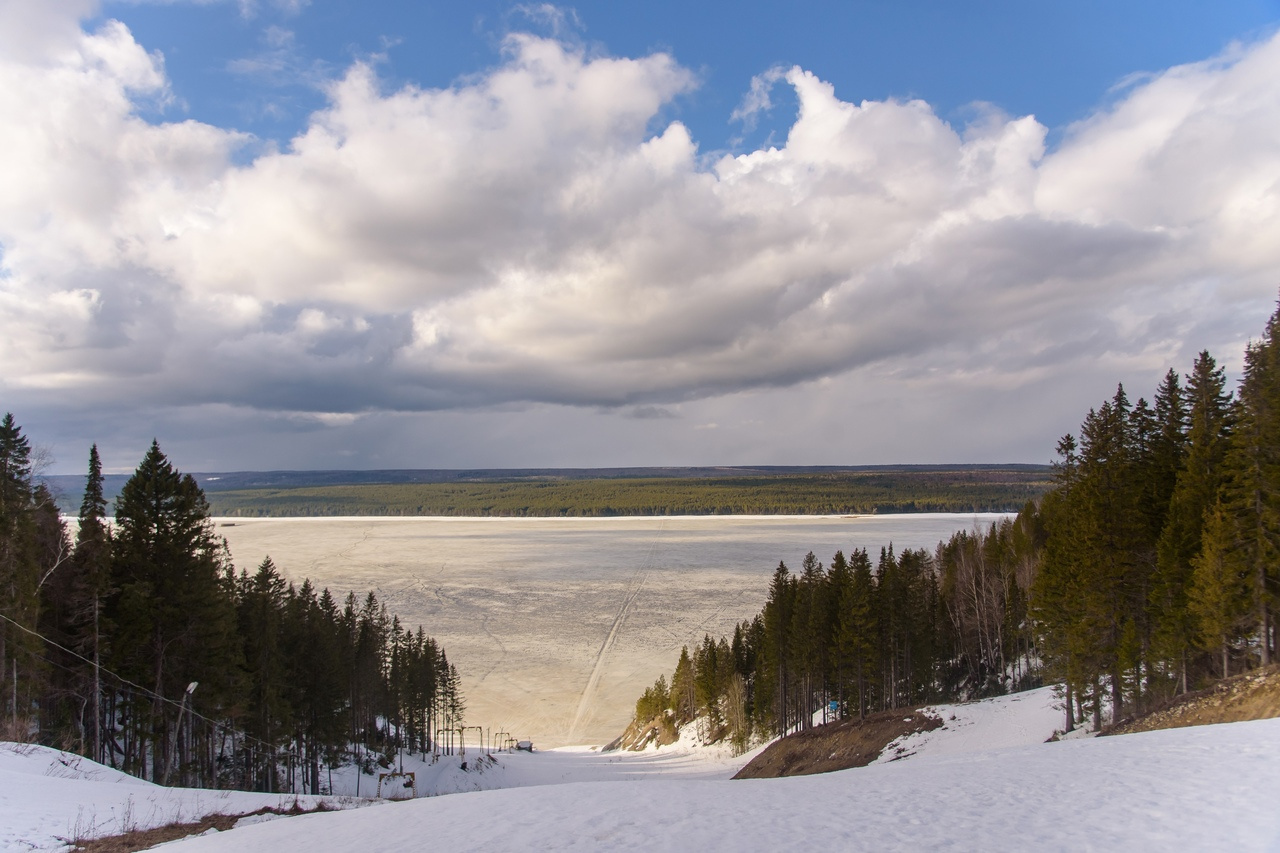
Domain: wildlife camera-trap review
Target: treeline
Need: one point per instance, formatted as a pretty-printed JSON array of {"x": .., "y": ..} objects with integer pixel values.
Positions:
[
  {"x": 1161, "y": 568},
  {"x": 853, "y": 638},
  {"x": 1149, "y": 569},
  {"x": 836, "y": 493},
  {"x": 138, "y": 645}
]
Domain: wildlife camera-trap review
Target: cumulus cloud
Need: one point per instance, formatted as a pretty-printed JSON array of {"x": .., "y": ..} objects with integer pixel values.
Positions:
[{"x": 530, "y": 236}]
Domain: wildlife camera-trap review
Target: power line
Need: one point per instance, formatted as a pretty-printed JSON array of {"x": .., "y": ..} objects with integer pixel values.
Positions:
[{"x": 190, "y": 711}]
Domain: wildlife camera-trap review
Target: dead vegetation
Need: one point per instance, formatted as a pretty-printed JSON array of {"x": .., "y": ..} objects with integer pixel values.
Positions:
[
  {"x": 1252, "y": 696},
  {"x": 836, "y": 746},
  {"x": 660, "y": 731},
  {"x": 144, "y": 839}
]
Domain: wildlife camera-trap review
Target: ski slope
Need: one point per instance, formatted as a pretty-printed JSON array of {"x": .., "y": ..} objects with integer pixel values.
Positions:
[{"x": 983, "y": 781}]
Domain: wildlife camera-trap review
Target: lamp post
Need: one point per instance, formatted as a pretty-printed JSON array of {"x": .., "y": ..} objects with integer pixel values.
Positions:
[{"x": 173, "y": 741}]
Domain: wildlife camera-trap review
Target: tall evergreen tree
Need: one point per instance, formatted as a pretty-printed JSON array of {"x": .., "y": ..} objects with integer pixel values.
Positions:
[
  {"x": 173, "y": 606},
  {"x": 1218, "y": 598},
  {"x": 1208, "y": 417},
  {"x": 1250, "y": 491}
]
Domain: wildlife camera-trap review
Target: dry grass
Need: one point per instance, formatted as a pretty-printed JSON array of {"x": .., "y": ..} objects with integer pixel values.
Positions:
[
  {"x": 1252, "y": 696},
  {"x": 144, "y": 839},
  {"x": 837, "y": 746}
]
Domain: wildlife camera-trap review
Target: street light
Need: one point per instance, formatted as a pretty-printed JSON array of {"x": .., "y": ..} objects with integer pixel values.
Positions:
[{"x": 173, "y": 741}]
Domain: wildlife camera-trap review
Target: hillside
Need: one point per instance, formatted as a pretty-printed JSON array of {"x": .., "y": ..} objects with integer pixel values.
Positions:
[
  {"x": 1154, "y": 790},
  {"x": 980, "y": 779},
  {"x": 837, "y": 746},
  {"x": 1251, "y": 696}
]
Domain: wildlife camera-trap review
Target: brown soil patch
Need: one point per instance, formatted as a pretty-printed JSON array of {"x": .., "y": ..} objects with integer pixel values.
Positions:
[
  {"x": 144, "y": 839},
  {"x": 1252, "y": 696},
  {"x": 836, "y": 746}
]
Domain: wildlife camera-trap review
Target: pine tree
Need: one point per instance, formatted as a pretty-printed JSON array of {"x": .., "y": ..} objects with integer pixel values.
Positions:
[
  {"x": 775, "y": 680},
  {"x": 1250, "y": 490},
  {"x": 172, "y": 606},
  {"x": 684, "y": 695},
  {"x": 261, "y": 616},
  {"x": 1209, "y": 422},
  {"x": 20, "y": 572},
  {"x": 1218, "y": 598}
]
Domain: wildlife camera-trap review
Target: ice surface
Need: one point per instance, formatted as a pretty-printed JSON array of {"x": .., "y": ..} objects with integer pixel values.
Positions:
[{"x": 558, "y": 625}]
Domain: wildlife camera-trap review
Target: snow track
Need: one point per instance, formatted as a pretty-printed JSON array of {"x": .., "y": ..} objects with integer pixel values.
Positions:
[{"x": 634, "y": 587}]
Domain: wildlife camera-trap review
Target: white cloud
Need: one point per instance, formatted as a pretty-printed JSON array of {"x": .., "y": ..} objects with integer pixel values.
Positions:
[
  {"x": 759, "y": 97},
  {"x": 529, "y": 236}
]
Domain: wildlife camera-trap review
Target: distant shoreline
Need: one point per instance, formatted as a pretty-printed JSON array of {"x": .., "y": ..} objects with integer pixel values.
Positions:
[{"x": 613, "y": 493}]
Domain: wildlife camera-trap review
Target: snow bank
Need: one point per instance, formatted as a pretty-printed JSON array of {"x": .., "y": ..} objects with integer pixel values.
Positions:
[
  {"x": 1019, "y": 719},
  {"x": 48, "y": 798},
  {"x": 1157, "y": 790}
]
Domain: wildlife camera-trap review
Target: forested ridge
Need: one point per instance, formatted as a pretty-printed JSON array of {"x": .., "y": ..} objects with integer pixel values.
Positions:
[
  {"x": 1150, "y": 568},
  {"x": 138, "y": 644},
  {"x": 962, "y": 489}
]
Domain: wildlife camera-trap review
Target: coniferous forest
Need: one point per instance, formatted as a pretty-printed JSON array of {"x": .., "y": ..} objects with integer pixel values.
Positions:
[
  {"x": 137, "y": 643},
  {"x": 1151, "y": 568}
]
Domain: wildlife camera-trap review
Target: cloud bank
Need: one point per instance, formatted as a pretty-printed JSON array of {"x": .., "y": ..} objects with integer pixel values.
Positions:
[{"x": 537, "y": 234}]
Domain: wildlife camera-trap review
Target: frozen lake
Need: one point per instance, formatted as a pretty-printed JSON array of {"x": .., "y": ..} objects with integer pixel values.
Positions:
[{"x": 556, "y": 624}]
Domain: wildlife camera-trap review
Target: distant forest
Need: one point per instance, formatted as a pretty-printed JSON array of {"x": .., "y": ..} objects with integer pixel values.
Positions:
[
  {"x": 901, "y": 489},
  {"x": 1151, "y": 568}
]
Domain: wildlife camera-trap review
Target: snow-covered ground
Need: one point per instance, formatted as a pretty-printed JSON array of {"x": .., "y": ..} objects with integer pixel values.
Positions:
[
  {"x": 983, "y": 781},
  {"x": 49, "y": 797},
  {"x": 1019, "y": 719}
]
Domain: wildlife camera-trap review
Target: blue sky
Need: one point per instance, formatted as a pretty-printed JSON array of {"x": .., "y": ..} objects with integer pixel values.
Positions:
[
  {"x": 284, "y": 234},
  {"x": 1055, "y": 60}
]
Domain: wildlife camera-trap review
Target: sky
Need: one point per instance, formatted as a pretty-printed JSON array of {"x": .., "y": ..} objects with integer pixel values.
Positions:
[{"x": 313, "y": 234}]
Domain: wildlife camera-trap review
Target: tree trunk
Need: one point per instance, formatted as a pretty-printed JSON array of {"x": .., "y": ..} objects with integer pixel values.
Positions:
[
  {"x": 1070, "y": 717},
  {"x": 1266, "y": 628}
]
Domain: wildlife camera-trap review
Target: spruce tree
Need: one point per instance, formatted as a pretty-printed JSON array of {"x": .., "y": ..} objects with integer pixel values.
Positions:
[
  {"x": 1218, "y": 598},
  {"x": 172, "y": 605},
  {"x": 1198, "y": 482},
  {"x": 19, "y": 575},
  {"x": 1250, "y": 491}
]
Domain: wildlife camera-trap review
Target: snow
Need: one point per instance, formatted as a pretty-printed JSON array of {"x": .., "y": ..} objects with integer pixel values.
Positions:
[
  {"x": 48, "y": 797},
  {"x": 1157, "y": 790},
  {"x": 1019, "y": 719},
  {"x": 983, "y": 781}
]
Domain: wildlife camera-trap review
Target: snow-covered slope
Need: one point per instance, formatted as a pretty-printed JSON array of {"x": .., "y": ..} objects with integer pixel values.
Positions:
[
  {"x": 1184, "y": 789},
  {"x": 1019, "y": 719},
  {"x": 48, "y": 797},
  {"x": 983, "y": 781}
]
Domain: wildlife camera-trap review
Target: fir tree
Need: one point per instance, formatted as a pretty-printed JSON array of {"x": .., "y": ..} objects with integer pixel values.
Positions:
[
  {"x": 1218, "y": 598},
  {"x": 1208, "y": 407}
]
